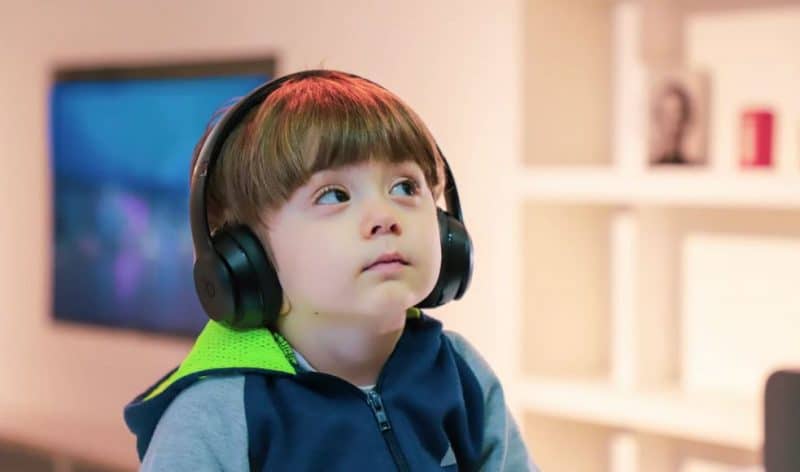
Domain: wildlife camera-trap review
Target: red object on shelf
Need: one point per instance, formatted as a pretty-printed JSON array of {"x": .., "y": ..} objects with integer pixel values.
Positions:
[{"x": 756, "y": 131}]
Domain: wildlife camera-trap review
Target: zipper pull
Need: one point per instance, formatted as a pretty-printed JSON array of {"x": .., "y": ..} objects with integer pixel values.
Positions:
[{"x": 374, "y": 401}]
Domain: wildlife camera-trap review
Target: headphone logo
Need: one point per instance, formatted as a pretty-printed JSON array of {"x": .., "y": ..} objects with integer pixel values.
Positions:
[{"x": 210, "y": 290}]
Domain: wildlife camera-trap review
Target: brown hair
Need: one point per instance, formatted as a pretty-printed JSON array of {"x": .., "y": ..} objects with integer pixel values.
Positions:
[{"x": 315, "y": 121}]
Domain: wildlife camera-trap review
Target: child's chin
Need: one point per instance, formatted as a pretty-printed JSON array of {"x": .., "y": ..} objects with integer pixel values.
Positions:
[
  {"x": 398, "y": 302},
  {"x": 375, "y": 320},
  {"x": 387, "y": 307}
]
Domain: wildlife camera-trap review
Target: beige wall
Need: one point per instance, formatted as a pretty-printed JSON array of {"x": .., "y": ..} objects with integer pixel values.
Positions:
[{"x": 455, "y": 62}]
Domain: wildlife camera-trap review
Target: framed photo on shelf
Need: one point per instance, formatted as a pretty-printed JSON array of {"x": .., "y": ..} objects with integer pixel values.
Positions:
[{"x": 677, "y": 114}]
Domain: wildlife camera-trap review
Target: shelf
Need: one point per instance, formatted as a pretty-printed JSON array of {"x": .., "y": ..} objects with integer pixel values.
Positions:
[
  {"x": 637, "y": 286},
  {"x": 729, "y": 421},
  {"x": 687, "y": 187}
]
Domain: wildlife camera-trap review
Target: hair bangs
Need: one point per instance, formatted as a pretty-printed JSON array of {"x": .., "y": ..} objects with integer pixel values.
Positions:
[{"x": 314, "y": 122}]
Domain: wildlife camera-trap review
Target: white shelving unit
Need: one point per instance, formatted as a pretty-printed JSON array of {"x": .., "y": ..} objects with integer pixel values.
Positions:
[
  {"x": 650, "y": 304},
  {"x": 688, "y": 188},
  {"x": 726, "y": 421}
]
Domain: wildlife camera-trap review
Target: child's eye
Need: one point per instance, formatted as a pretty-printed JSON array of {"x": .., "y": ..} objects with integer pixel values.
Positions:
[
  {"x": 411, "y": 187},
  {"x": 332, "y": 196}
]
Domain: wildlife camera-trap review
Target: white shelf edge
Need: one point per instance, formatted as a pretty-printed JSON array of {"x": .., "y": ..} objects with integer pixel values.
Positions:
[
  {"x": 728, "y": 421},
  {"x": 667, "y": 187}
]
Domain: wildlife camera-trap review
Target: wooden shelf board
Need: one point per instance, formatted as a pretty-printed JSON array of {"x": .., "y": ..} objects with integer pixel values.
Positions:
[
  {"x": 729, "y": 421},
  {"x": 685, "y": 187}
]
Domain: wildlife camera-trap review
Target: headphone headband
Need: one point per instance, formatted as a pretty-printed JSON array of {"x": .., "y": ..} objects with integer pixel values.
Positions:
[{"x": 210, "y": 152}]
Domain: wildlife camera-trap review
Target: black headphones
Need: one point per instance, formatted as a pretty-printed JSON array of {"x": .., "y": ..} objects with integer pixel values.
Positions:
[{"x": 237, "y": 284}]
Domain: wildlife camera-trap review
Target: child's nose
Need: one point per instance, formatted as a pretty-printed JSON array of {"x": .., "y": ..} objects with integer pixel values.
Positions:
[
  {"x": 380, "y": 220},
  {"x": 385, "y": 228}
]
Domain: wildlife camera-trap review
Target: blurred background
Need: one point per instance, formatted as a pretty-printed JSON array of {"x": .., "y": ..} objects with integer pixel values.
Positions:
[{"x": 629, "y": 172}]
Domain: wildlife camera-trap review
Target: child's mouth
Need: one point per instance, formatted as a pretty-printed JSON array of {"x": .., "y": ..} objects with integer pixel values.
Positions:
[
  {"x": 387, "y": 267},
  {"x": 388, "y": 261}
]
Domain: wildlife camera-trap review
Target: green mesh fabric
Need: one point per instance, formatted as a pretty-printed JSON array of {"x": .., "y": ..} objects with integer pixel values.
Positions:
[{"x": 218, "y": 347}]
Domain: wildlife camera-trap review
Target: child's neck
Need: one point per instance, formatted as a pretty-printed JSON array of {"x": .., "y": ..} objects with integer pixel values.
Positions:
[{"x": 355, "y": 352}]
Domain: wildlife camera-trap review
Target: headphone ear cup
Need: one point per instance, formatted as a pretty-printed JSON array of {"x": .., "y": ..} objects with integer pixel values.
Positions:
[
  {"x": 263, "y": 293},
  {"x": 460, "y": 254},
  {"x": 455, "y": 272},
  {"x": 235, "y": 287},
  {"x": 214, "y": 286}
]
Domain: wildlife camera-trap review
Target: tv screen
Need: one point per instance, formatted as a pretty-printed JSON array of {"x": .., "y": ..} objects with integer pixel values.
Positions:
[{"x": 120, "y": 145}]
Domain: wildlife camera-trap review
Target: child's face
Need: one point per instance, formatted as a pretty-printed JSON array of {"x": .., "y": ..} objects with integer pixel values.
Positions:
[{"x": 340, "y": 222}]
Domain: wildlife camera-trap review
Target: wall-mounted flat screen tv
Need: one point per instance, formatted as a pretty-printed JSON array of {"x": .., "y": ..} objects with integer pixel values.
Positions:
[{"x": 120, "y": 144}]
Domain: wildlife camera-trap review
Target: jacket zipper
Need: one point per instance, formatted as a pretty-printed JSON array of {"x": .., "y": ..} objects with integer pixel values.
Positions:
[{"x": 375, "y": 402}]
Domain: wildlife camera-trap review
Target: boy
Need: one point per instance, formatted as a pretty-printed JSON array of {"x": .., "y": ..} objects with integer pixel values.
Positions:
[{"x": 337, "y": 179}]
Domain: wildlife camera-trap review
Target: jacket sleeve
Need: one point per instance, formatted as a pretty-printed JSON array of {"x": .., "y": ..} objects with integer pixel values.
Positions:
[
  {"x": 503, "y": 447},
  {"x": 204, "y": 428}
]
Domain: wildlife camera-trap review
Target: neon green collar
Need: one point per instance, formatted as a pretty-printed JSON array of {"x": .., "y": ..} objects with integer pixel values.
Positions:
[{"x": 219, "y": 347}]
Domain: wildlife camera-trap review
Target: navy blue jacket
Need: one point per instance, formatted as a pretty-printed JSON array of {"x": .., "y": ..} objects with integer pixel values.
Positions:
[{"x": 436, "y": 406}]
